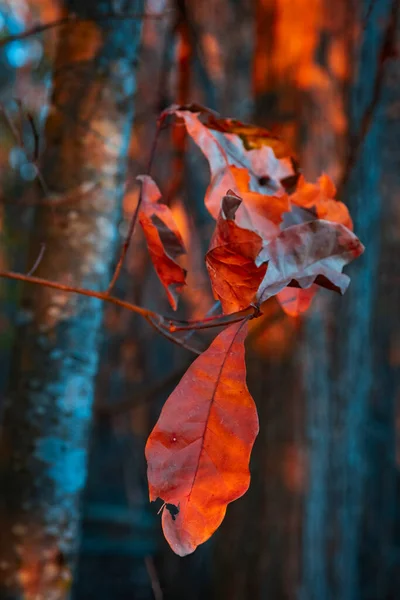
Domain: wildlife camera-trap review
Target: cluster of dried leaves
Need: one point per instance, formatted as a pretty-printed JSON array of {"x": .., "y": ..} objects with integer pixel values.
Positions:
[{"x": 275, "y": 235}]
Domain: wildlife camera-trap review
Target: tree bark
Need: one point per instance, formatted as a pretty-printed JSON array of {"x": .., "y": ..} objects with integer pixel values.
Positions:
[
  {"x": 43, "y": 449},
  {"x": 358, "y": 334}
]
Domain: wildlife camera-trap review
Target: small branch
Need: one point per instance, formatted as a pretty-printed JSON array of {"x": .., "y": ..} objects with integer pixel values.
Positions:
[
  {"x": 163, "y": 323},
  {"x": 145, "y": 394},
  {"x": 75, "y": 19},
  {"x": 35, "y": 134},
  {"x": 369, "y": 13},
  {"x": 126, "y": 244},
  {"x": 18, "y": 135},
  {"x": 170, "y": 336},
  {"x": 210, "y": 322},
  {"x": 82, "y": 291},
  {"x": 388, "y": 51},
  {"x": 142, "y": 395},
  {"x": 154, "y": 579}
]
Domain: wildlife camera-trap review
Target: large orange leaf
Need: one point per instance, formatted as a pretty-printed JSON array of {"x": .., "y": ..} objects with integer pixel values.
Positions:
[
  {"x": 198, "y": 453},
  {"x": 230, "y": 261},
  {"x": 163, "y": 239},
  {"x": 313, "y": 252}
]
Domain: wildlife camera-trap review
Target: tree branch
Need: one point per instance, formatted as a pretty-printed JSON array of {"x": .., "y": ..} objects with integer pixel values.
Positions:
[
  {"x": 74, "y": 19},
  {"x": 388, "y": 51},
  {"x": 163, "y": 323},
  {"x": 142, "y": 394}
]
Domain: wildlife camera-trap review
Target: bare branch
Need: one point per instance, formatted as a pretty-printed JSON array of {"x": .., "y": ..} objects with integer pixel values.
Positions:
[
  {"x": 17, "y": 133},
  {"x": 388, "y": 51},
  {"x": 155, "y": 580},
  {"x": 166, "y": 325},
  {"x": 170, "y": 336},
  {"x": 70, "y": 19},
  {"x": 143, "y": 394}
]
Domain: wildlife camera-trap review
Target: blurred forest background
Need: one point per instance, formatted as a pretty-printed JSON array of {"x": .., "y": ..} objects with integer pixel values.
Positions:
[{"x": 79, "y": 103}]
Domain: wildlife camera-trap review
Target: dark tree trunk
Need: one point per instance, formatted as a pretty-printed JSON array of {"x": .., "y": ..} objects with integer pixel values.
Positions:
[{"x": 46, "y": 421}]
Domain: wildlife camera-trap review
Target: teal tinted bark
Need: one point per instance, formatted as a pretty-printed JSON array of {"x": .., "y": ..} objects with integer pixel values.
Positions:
[{"x": 43, "y": 449}]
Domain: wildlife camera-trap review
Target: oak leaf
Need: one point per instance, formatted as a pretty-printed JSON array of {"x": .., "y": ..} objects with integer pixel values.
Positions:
[
  {"x": 224, "y": 149},
  {"x": 198, "y": 453},
  {"x": 311, "y": 201},
  {"x": 312, "y": 252},
  {"x": 163, "y": 239}
]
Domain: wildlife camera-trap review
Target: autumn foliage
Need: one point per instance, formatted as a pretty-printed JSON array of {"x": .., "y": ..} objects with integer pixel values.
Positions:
[{"x": 275, "y": 235}]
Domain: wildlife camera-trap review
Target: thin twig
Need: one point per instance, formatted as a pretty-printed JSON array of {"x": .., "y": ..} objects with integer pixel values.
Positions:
[
  {"x": 211, "y": 322},
  {"x": 35, "y": 134},
  {"x": 140, "y": 396},
  {"x": 368, "y": 13},
  {"x": 154, "y": 579},
  {"x": 164, "y": 323},
  {"x": 83, "y": 292},
  {"x": 38, "y": 260},
  {"x": 17, "y": 132},
  {"x": 170, "y": 336},
  {"x": 387, "y": 51},
  {"x": 126, "y": 244},
  {"x": 40, "y": 28},
  {"x": 143, "y": 394}
]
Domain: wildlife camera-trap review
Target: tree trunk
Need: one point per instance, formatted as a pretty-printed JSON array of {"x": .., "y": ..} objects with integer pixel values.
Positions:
[{"x": 45, "y": 428}]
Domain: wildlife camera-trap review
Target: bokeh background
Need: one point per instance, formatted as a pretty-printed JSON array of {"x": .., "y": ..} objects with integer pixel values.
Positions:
[{"x": 321, "y": 520}]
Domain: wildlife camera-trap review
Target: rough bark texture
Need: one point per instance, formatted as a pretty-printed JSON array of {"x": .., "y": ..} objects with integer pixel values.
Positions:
[{"x": 46, "y": 420}]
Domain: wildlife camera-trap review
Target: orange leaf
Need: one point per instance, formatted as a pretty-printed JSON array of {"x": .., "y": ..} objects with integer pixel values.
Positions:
[
  {"x": 224, "y": 150},
  {"x": 198, "y": 453},
  {"x": 253, "y": 136},
  {"x": 295, "y": 301},
  {"x": 313, "y": 252},
  {"x": 230, "y": 261},
  {"x": 163, "y": 239},
  {"x": 320, "y": 197}
]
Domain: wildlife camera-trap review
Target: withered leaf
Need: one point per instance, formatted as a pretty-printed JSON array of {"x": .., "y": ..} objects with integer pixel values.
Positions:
[
  {"x": 163, "y": 239},
  {"x": 198, "y": 453}
]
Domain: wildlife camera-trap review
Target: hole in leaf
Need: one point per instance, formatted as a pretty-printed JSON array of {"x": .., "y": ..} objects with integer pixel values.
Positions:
[
  {"x": 264, "y": 180},
  {"x": 173, "y": 510}
]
